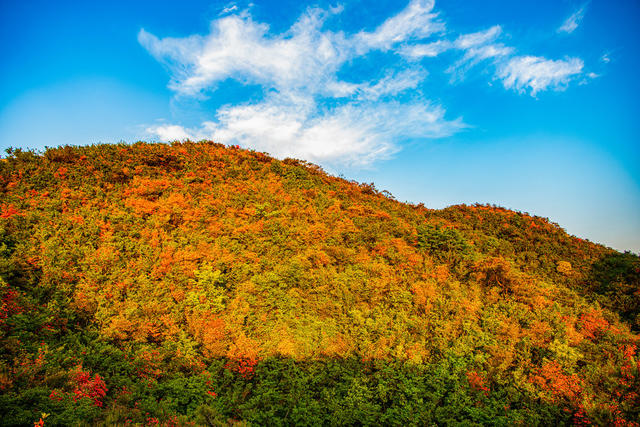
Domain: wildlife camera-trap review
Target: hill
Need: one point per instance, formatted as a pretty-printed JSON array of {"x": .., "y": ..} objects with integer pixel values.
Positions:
[{"x": 204, "y": 284}]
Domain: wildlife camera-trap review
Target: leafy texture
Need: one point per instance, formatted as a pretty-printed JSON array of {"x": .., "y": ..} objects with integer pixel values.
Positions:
[{"x": 198, "y": 283}]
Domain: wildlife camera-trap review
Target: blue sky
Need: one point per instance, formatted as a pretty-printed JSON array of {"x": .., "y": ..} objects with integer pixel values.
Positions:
[{"x": 531, "y": 105}]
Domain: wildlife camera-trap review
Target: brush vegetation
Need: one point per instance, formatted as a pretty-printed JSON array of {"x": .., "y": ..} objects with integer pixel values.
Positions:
[{"x": 198, "y": 284}]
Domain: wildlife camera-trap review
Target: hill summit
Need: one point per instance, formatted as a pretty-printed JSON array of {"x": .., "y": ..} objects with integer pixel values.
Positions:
[{"x": 199, "y": 284}]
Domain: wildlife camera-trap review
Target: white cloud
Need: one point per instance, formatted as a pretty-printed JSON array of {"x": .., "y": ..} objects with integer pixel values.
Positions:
[
  {"x": 229, "y": 9},
  {"x": 305, "y": 58},
  {"x": 298, "y": 72},
  {"x": 302, "y": 59},
  {"x": 307, "y": 109},
  {"x": 354, "y": 134},
  {"x": 169, "y": 132},
  {"x": 523, "y": 73},
  {"x": 426, "y": 50},
  {"x": 536, "y": 74},
  {"x": 476, "y": 44},
  {"x": 414, "y": 22},
  {"x": 467, "y": 41},
  {"x": 476, "y": 54},
  {"x": 486, "y": 52},
  {"x": 478, "y": 47},
  {"x": 573, "y": 21},
  {"x": 393, "y": 84}
]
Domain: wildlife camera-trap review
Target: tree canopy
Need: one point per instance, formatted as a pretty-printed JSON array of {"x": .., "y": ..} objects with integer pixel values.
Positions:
[{"x": 194, "y": 283}]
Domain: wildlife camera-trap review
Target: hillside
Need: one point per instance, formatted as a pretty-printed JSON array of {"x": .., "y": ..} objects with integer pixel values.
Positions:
[{"x": 198, "y": 283}]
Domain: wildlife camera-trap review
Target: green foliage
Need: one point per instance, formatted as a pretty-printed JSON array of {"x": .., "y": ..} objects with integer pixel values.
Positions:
[
  {"x": 207, "y": 292},
  {"x": 353, "y": 392},
  {"x": 442, "y": 243},
  {"x": 617, "y": 278}
]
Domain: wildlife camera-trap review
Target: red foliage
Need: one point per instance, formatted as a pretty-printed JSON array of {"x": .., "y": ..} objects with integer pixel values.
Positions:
[
  {"x": 56, "y": 395},
  {"x": 552, "y": 379},
  {"x": 9, "y": 210},
  {"x": 9, "y": 305},
  {"x": 580, "y": 418},
  {"x": 149, "y": 366},
  {"x": 210, "y": 392},
  {"x": 593, "y": 324},
  {"x": 477, "y": 382},
  {"x": 86, "y": 386},
  {"x": 627, "y": 392},
  {"x": 61, "y": 173},
  {"x": 243, "y": 366}
]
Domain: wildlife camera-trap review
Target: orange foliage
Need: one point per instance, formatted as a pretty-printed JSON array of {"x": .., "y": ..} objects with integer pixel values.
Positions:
[
  {"x": 210, "y": 331},
  {"x": 442, "y": 273},
  {"x": 593, "y": 324},
  {"x": 9, "y": 210},
  {"x": 61, "y": 173},
  {"x": 493, "y": 271},
  {"x": 556, "y": 384},
  {"x": 423, "y": 294},
  {"x": 141, "y": 206}
]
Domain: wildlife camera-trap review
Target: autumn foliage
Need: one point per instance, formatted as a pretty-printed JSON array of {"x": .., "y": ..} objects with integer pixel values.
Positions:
[{"x": 198, "y": 283}]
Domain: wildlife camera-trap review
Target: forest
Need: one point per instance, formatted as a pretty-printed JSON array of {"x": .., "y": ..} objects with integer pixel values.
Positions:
[{"x": 194, "y": 283}]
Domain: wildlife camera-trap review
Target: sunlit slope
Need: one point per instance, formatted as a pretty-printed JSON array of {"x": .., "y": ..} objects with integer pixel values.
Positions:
[{"x": 197, "y": 251}]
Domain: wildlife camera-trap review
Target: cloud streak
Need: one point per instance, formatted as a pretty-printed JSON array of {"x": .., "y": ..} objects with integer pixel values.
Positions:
[{"x": 573, "y": 21}]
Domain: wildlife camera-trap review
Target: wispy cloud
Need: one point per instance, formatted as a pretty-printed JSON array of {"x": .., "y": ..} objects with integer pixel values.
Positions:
[
  {"x": 299, "y": 71},
  {"x": 473, "y": 43},
  {"x": 478, "y": 47},
  {"x": 308, "y": 109},
  {"x": 429, "y": 50},
  {"x": 304, "y": 58},
  {"x": 392, "y": 84},
  {"x": 523, "y": 73},
  {"x": 573, "y": 21},
  {"x": 467, "y": 41},
  {"x": 354, "y": 134},
  {"x": 228, "y": 9},
  {"x": 415, "y": 22},
  {"x": 536, "y": 74}
]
